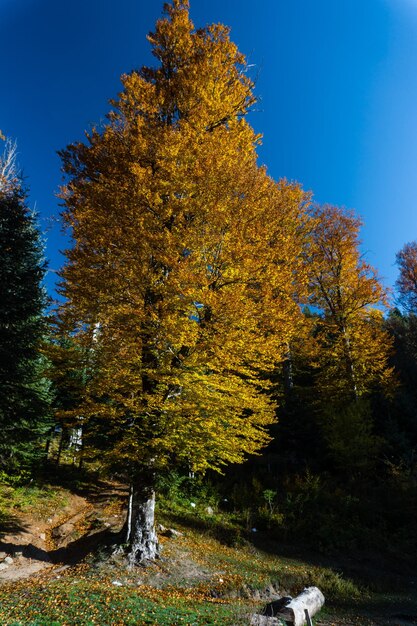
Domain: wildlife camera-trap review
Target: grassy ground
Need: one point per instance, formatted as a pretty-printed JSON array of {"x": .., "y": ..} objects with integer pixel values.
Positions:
[
  {"x": 83, "y": 597},
  {"x": 39, "y": 501},
  {"x": 211, "y": 574}
]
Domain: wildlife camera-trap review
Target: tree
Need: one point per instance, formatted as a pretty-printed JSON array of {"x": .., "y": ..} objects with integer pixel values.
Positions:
[
  {"x": 8, "y": 165},
  {"x": 350, "y": 346},
  {"x": 403, "y": 326},
  {"x": 67, "y": 373},
  {"x": 24, "y": 391},
  {"x": 347, "y": 292},
  {"x": 180, "y": 285},
  {"x": 407, "y": 280},
  {"x": 401, "y": 424}
]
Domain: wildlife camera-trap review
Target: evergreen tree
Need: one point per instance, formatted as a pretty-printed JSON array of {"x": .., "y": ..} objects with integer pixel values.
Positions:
[{"x": 23, "y": 389}]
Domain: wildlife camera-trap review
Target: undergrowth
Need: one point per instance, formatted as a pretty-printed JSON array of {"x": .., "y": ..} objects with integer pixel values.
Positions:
[
  {"x": 38, "y": 501},
  {"x": 244, "y": 566}
]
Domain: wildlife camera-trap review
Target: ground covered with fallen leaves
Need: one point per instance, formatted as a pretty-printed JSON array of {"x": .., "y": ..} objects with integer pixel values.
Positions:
[
  {"x": 203, "y": 578},
  {"x": 82, "y": 597}
]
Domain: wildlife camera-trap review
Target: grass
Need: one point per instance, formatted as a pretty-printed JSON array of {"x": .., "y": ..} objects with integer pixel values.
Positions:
[
  {"x": 210, "y": 537},
  {"x": 37, "y": 501},
  {"x": 220, "y": 585},
  {"x": 84, "y": 597},
  {"x": 211, "y": 575}
]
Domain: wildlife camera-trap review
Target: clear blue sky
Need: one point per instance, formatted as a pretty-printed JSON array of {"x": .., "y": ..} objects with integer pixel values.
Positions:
[{"x": 337, "y": 83}]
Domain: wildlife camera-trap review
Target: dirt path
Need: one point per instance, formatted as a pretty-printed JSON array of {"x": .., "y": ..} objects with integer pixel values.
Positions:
[{"x": 29, "y": 545}]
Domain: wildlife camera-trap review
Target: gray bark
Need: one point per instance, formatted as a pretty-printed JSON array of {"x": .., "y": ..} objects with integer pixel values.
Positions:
[
  {"x": 300, "y": 609},
  {"x": 141, "y": 537}
]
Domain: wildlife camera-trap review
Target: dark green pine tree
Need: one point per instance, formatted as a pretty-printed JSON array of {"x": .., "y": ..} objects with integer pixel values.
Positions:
[{"x": 24, "y": 391}]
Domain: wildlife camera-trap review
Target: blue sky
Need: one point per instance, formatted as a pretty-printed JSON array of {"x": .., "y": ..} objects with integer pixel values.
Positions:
[{"x": 336, "y": 81}]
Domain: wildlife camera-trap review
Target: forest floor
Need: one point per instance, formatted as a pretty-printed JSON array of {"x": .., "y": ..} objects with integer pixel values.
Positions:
[{"x": 55, "y": 569}]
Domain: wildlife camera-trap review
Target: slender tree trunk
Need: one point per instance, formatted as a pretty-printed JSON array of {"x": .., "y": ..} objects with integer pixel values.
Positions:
[
  {"x": 61, "y": 445},
  {"x": 140, "y": 535},
  {"x": 48, "y": 444},
  {"x": 288, "y": 373},
  {"x": 350, "y": 368}
]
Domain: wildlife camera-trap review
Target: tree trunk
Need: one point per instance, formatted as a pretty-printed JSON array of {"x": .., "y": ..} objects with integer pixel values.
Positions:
[
  {"x": 288, "y": 373},
  {"x": 61, "y": 445},
  {"x": 48, "y": 444},
  {"x": 141, "y": 537},
  {"x": 303, "y": 607},
  {"x": 350, "y": 368}
]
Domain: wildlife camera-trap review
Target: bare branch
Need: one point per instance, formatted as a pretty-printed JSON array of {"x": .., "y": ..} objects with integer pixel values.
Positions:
[{"x": 8, "y": 165}]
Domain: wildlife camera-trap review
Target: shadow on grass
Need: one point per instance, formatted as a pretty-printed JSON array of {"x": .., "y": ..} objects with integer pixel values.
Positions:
[
  {"x": 387, "y": 586},
  {"x": 83, "y": 482},
  {"x": 71, "y": 554},
  {"x": 77, "y": 550},
  {"x": 227, "y": 534},
  {"x": 399, "y": 610}
]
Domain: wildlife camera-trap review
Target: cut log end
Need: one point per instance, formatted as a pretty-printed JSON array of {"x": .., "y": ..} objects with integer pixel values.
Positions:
[
  {"x": 301, "y": 608},
  {"x": 291, "y": 611}
]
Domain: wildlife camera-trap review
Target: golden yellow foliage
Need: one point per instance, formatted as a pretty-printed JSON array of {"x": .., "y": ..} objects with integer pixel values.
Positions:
[
  {"x": 354, "y": 347},
  {"x": 407, "y": 280},
  {"x": 181, "y": 283}
]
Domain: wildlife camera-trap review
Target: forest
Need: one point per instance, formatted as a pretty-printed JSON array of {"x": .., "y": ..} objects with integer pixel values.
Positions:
[{"x": 220, "y": 341}]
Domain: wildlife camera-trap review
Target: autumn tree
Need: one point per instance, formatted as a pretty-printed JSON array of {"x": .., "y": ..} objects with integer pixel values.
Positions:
[
  {"x": 24, "y": 395},
  {"x": 351, "y": 348},
  {"x": 407, "y": 281},
  {"x": 180, "y": 285},
  {"x": 349, "y": 295},
  {"x": 403, "y": 327}
]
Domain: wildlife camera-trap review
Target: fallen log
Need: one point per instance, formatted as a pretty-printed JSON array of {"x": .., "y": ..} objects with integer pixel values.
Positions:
[
  {"x": 301, "y": 608},
  {"x": 264, "y": 620}
]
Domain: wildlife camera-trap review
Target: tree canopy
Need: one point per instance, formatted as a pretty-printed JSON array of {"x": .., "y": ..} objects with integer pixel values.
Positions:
[
  {"x": 407, "y": 280},
  {"x": 180, "y": 284},
  {"x": 202, "y": 302},
  {"x": 355, "y": 348}
]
